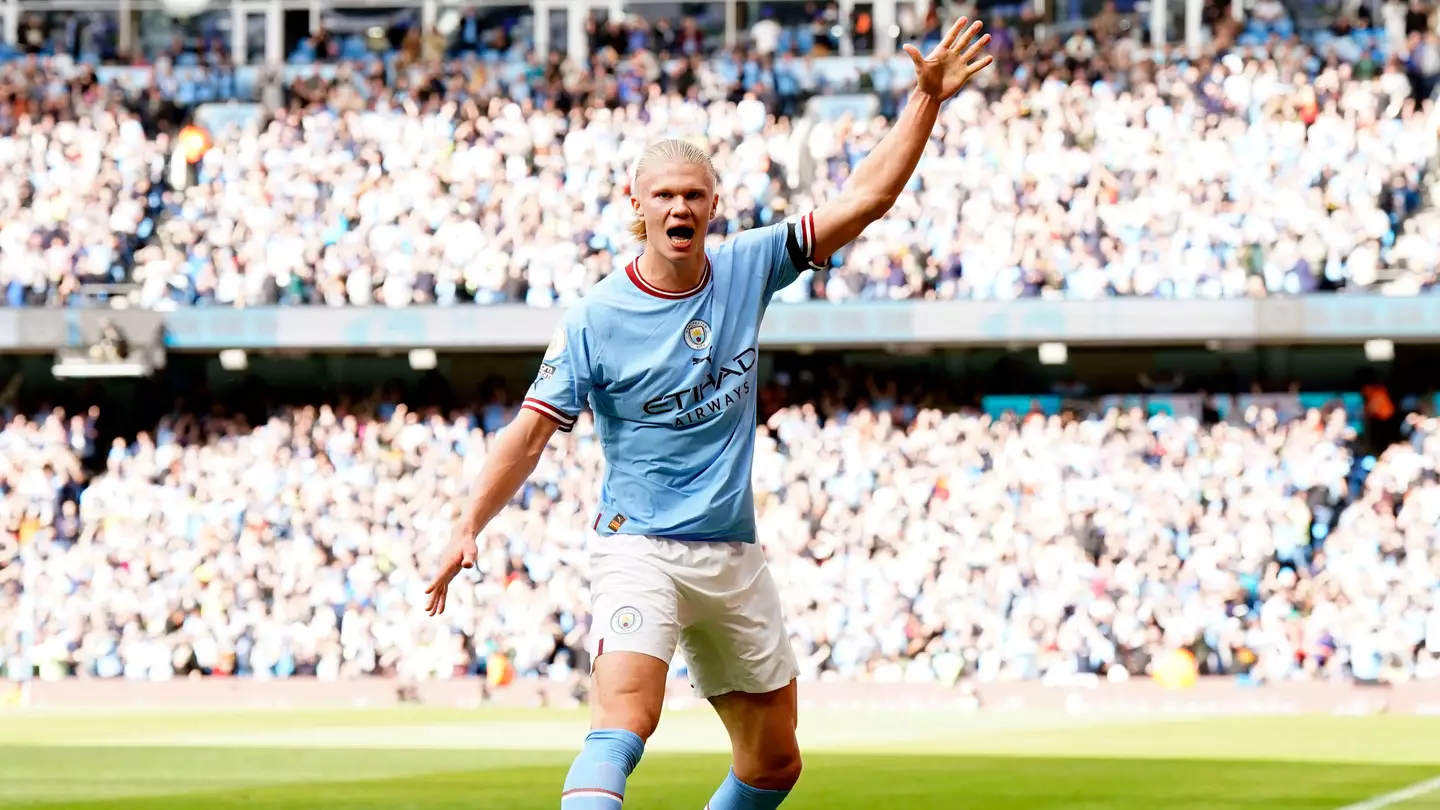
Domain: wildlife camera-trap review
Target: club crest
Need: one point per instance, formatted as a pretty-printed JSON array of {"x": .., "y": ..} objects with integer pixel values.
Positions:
[
  {"x": 625, "y": 620},
  {"x": 697, "y": 335}
]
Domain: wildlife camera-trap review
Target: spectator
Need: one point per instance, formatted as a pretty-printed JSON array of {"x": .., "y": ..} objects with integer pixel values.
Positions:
[
  {"x": 1079, "y": 170},
  {"x": 911, "y": 545}
]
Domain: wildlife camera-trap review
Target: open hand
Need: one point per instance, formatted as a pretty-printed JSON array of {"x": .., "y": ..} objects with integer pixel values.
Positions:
[
  {"x": 953, "y": 63},
  {"x": 459, "y": 553}
]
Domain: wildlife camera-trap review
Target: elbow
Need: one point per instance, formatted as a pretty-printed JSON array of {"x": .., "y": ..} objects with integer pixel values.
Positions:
[
  {"x": 873, "y": 204},
  {"x": 531, "y": 445},
  {"x": 529, "y": 434},
  {"x": 533, "y": 448}
]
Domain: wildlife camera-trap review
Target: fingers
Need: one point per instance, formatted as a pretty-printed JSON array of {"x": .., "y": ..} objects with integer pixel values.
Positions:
[
  {"x": 982, "y": 64},
  {"x": 436, "y": 605},
  {"x": 975, "y": 48},
  {"x": 440, "y": 586},
  {"x": 969, "y": 34},
  {"x": 953, "y": 34},
  {"x": 436, "y": 591},
  {"x": 915, "y": 56}
]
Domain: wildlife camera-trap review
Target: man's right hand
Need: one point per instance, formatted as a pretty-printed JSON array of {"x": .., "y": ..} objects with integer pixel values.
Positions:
[
  {"x": 512, "y": 458},
  {"x": 459, "y": 553}
]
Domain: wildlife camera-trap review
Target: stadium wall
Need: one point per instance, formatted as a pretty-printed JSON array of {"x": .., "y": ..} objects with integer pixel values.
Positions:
[
  {"x": 1208, "y": 696},
  {"x": 1113, "y": 321}
]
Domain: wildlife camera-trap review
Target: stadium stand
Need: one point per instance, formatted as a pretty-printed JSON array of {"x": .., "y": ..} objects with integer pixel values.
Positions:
[
  {"x": 1081, "y": 170},
  {"x": 914, "y": 542}
]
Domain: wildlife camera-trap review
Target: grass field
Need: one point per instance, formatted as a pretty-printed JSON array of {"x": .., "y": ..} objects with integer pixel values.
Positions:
[{"x": 428, "y": 759}]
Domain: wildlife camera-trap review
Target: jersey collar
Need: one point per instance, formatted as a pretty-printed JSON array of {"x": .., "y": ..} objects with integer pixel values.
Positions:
[{"x": 633, "y": 270}]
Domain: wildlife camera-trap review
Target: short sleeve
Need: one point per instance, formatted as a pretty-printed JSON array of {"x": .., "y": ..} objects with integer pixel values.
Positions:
[
  {"x": 790, "y": 249},
  {"x": 562, "y": 386}
]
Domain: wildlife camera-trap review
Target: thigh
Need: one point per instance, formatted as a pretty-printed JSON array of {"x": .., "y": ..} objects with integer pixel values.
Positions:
[
  {"x": 633, "y": 634},
  {"x": 738, "y": 641}
]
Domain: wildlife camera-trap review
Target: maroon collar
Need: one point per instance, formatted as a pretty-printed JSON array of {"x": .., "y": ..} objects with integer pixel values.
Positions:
[{"x": 633, "y": 270}]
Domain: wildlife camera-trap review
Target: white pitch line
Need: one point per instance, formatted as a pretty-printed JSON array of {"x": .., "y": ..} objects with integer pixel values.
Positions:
[{"x": 1415, "y": 791}]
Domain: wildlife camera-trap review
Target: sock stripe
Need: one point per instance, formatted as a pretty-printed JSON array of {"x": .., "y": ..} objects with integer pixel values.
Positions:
[
  {"x": 600, "y": 791},
  {"x": 592, "y": 793}
]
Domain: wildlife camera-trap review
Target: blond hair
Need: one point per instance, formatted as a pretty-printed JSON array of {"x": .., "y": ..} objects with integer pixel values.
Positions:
[{"x": 673, "y": 150}]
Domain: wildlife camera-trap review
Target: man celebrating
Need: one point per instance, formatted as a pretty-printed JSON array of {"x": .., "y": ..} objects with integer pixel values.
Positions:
[{"x": 664, "y": 354}]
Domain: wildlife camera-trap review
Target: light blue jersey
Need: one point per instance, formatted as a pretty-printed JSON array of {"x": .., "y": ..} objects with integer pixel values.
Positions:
[{"x": 671, "y": 379}]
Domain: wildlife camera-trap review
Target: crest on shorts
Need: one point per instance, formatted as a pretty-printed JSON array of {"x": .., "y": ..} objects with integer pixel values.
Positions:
[
  {"x": 697, "y": 335},
  {"x": 557, "y": 343},
  {"x": 625, "y": 620}
]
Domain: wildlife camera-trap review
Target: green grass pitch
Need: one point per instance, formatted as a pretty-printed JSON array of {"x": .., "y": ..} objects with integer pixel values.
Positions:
[{"x": 490, "y": 759}]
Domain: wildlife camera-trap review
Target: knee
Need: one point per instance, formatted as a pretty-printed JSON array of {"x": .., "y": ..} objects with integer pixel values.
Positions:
[
  {"x": 633, "y": 709},
  {"x": 632, "y": 716},
  {"x": 779, "y": 770},
  {"x": 629, "y": 693}
]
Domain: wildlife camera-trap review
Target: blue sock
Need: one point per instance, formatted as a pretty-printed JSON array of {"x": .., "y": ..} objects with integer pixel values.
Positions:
[
  {"x": 736, "y": 795},
  {"x": 597, "y": 777}
]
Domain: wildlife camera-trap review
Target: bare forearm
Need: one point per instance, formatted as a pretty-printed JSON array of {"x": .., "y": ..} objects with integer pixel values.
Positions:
[
  {"x": 877, "y": 182},
  {"x": 883, "y": 174},
  {"x": 508, "y": 466}
]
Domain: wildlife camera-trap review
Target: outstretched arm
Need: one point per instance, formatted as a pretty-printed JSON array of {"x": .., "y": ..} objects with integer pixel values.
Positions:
[
  {"x": 882, "y": 175},
  {"x": 511, "y": 461}
]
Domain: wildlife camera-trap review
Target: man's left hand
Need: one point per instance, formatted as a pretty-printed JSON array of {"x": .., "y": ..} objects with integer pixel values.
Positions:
[{"x": 953, "y": 63}]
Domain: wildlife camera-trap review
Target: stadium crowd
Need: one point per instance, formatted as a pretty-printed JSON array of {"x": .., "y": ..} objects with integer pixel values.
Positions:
[
  {"x": 911, "y": 544},
  {"x": 79, "y": 186},
  {"x": 1079, "y": 168}
]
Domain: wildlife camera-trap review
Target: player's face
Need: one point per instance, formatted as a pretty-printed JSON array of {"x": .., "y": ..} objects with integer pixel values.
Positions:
[{"x": 677, "y": 201}]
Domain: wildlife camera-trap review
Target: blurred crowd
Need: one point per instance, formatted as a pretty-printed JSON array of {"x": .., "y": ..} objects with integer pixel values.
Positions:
[
  {"x": 79, "y": 186},
  {"x": 1078, "y": 168},
  {"x": 911, "y": 544}
]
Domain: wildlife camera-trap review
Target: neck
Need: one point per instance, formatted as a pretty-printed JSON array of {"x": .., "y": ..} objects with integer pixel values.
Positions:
[{"x": 671, "y": 275}]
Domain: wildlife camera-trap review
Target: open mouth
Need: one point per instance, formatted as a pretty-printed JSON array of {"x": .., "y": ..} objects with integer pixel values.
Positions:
[{"x": 680, "y": 235}]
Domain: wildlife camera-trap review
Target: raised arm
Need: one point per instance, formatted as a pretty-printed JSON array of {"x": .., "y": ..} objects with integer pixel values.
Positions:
[
  {"x": 511, "y": 461},
  {"x": 882, "y": 175}
]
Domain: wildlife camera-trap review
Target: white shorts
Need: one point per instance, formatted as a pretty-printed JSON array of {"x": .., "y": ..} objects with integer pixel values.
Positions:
[{"x": 717, "y": 601}]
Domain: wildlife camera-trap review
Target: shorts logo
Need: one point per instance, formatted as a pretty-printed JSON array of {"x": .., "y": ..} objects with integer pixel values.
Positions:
[
  {"x": 617, "y": 522},
  {"x": 557, "y": 343},
  {"x": 697, "y": 335},
  {"x": 625, "y": 620}
]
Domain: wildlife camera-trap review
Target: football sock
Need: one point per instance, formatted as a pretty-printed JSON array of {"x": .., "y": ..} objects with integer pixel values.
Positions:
[
  {"x": 597, "y": 777},
  {"x": 736, "y": 795}
]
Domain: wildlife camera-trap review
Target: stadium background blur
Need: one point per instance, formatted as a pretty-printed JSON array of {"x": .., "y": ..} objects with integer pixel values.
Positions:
[{"x": 1140, "y": 369}]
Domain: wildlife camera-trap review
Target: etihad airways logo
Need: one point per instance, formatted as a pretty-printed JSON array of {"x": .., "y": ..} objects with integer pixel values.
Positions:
[{"x": 722, "y": 387}]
